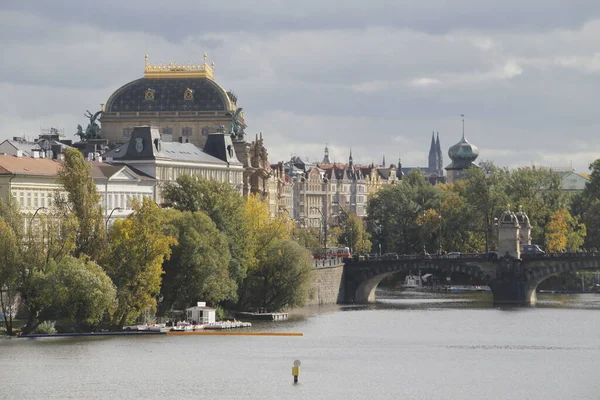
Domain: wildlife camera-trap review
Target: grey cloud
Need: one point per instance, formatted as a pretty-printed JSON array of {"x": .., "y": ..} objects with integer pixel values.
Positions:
[{"x": 178, "y": 19}]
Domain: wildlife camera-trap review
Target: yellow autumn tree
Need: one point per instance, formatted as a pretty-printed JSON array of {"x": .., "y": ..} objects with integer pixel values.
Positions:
[
  {"x": 264, "y": 229},
  {"x": 264, "y": 232},
  {"x": 563, "y": 231},
  {"x": 136, "y": 253}
]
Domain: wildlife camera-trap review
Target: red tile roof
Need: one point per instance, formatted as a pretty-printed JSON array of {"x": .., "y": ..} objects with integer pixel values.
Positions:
[{"x": 28, "y": 166}]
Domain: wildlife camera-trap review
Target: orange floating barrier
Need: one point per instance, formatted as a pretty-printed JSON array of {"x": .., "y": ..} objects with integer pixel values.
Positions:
[{"x": 229, "y": 333}]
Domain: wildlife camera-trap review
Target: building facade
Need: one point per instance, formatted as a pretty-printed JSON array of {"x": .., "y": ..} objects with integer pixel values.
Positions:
[{"x": 166, "y": 161}]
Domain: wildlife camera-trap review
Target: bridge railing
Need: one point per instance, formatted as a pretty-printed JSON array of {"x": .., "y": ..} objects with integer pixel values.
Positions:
[
  {"x": 468, "y": 256},
  {"x": 331, "y": 262}
]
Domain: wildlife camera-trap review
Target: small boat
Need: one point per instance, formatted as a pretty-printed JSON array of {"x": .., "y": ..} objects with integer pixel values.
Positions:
[{"x": 412, "y": 282}]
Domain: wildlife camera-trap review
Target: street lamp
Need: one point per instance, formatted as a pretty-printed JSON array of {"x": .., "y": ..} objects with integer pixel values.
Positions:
[
  {"x": 440, "y": 235},
  {"x": 324, "y": 225},
  {"x": 111, "y": 213},
  {"x": 35, "y": 213},
  {"x": 31, "y": 219}
]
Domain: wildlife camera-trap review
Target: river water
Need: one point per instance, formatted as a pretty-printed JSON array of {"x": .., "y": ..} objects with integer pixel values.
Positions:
[{"x": 407, "y": 346}]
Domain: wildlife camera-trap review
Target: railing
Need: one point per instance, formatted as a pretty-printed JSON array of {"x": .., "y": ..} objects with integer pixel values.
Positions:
[
  {"x": 466, "y": 256},
  {"x": 330, "y": 262}
]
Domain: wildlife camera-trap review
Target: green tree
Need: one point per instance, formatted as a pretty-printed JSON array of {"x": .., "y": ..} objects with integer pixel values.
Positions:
[
  {"x": 198, "y": 267},
  {"x": 307, "y": 237},
  {"x": 486, "y": 196},
  {"x": 539, "y": 192},
  {"x": 83, "y": 201},
  {"x": 392, "y": 218},
  {"x": 354, "y": 234},
  {"x": 134, "y": 259},
  {"x": 9, "y": 273},
  {"x": 282, "y": 280},
  {"x": 79, "y": 291},
  {"x": 224, "y": 206}
]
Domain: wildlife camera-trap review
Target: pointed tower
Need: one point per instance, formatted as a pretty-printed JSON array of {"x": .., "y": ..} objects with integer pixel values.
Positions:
[
  {"x": 326, "y": 157},
  {"x": 350, "y": 161},
  {"x": 432, "y": 164},
  {"x": 440, "y": 159},
  {"x": 383, "y": 161},
  {"x": 399, "y": 173}
]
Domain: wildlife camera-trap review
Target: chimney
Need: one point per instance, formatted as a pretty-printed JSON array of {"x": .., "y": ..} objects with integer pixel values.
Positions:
[
  {"x": 35, "y": 153},
  {"x": 99, "y": 158},
  {"x": 20, "y": 153}
]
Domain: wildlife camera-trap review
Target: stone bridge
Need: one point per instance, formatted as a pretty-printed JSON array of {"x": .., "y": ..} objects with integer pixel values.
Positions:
[{"x": 513, "y": 281}]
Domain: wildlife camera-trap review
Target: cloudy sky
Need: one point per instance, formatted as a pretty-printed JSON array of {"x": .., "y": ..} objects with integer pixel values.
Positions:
[{"x": 376, "y": 76}]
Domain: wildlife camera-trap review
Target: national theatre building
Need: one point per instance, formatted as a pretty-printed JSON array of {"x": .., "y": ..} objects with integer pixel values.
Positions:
[{"x": 182, "y": 101}]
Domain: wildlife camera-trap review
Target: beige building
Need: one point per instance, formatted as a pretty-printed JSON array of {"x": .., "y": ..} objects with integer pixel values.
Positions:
[
  {"x": 33, "y": 184},
  {"x": 183, "y": 101}
]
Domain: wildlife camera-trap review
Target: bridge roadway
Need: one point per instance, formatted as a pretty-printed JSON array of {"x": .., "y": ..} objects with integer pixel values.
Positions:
[{"x": 513, "y": 281}]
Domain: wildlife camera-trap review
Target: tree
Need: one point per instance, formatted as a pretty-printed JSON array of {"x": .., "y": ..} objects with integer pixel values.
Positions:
[
  {"x": 486, "y": 196},
  {"x": 83, "y": 201},
  {"x": 263, "y": 229},
  {"x": 392, "y": 218},
  {"x": 354, "y": 234},
  {"x": 80, "y": 292},
  {"x": 308, "y": 237},
  {"x": 198, "y": 266},
  {"x": 539, "y": 192},
  {"x": 224, "y": 206},
  {"x": 282, "y": 280},
  {"x": 9, "y": 273},
  {"x": 564, "y": 232},
  {"x": 134, "y": 259}
]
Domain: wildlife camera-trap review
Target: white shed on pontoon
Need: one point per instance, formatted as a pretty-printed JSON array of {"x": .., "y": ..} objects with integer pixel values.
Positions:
[{"x": 200, "y": 314}]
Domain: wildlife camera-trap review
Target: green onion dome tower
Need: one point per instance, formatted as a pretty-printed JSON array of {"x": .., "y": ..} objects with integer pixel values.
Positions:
[{"x": 463, "y": 154}]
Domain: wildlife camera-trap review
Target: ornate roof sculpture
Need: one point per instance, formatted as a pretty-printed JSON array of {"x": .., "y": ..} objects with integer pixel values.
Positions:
[{"x": 172, "y": 87}]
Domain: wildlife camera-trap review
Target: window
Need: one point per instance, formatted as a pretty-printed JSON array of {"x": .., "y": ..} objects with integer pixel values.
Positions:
[
  {"x": 204, "y": 131},
  {"x": 127, "y": 132},
  {"x": 187, "y": 131},
  {"x": 28, "y": 199},
  {"x": 167, "y": 131}
]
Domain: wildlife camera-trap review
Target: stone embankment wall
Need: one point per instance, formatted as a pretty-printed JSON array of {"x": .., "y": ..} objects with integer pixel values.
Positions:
[{"x": 327, "y": 286}]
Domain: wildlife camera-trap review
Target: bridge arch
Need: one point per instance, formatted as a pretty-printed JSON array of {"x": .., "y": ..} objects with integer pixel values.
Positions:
[{"x": 362, "y": 278}]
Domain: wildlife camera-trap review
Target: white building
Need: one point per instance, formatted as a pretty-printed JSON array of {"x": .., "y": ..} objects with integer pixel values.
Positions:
[
  {"x": 571, "y": 181},
  {"x": 166, "y": 161},
  {"x": 118, "y": 185}
]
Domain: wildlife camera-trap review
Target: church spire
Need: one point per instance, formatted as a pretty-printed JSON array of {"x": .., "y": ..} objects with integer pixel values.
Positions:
[
  {"x": 440, "y": 158},
  {"x": 383, "y": 161},
  {"x": 350, "y": 160},
  {"x": 326, "y": 157}
]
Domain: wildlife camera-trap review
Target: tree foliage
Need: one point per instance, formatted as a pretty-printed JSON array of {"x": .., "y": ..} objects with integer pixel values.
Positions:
[
  {"x": 80, "y": 291},
  {"x": 224, "y": 206},
  {"x": 134, "y": 259},
  {"x": 83, "y": 201},
  {"x": 282, "y": 280},
  {"x": 9, "y": 272},
  {"x": 353, "y": 234},
  {"x": 198, "y": 267}
]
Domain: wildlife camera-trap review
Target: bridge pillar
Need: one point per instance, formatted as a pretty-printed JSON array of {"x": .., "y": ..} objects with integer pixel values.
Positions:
[{"x": 511, "y": 285}]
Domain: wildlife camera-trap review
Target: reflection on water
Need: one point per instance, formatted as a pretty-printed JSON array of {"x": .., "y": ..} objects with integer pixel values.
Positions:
[{"x": 406, "y": 346}]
